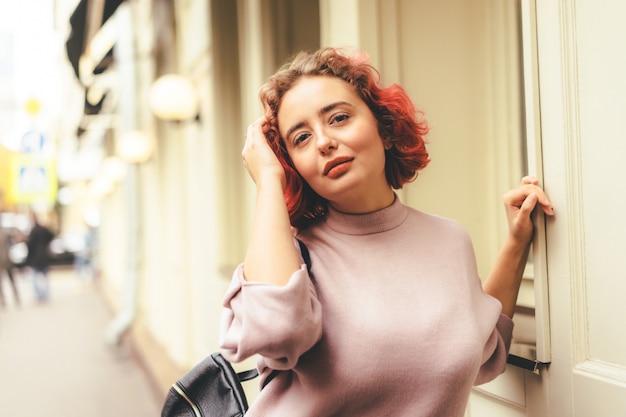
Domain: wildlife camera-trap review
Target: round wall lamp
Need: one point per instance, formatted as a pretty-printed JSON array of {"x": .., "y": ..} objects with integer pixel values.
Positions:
[
  {"x": 100, "y": 187},
  {"x": 134, "y": 146},
  {"x": 173, "y": 98},
  {"x": 114, "y": 168}
]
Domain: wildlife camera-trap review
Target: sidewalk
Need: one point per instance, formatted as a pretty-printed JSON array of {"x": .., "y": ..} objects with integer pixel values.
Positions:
[{"x": 54, "y": 361}]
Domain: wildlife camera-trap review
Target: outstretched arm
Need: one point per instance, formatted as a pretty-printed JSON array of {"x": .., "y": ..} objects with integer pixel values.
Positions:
[
  {"x": 505, "y": 278},
  {"x": 271, "y": 256}
]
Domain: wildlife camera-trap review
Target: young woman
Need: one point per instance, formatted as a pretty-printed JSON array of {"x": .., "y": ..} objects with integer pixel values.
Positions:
[{"x": 392, "y": 319}]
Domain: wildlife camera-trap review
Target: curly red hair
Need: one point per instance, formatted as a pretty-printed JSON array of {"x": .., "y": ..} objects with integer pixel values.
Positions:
[{"x": 399, "y": 124}]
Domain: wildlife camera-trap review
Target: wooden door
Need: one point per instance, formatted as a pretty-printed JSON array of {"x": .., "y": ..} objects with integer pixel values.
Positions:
[{"x": 582, "y": 62}]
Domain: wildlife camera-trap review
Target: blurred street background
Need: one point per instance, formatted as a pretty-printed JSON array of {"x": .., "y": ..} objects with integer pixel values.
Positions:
[
  {"x": 56, "y": 357},
  {"x": 54, "y": 360},
  {"x": 121, "y": 128}
]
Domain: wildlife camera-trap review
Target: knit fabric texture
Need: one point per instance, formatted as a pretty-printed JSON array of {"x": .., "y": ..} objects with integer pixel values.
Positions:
[{"x": 393, "y": 321}]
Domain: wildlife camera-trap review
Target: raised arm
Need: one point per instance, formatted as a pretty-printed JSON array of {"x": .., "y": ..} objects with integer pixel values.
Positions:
[
  {"x": 505, "y": 278},
  {"x": 271, "y": 256}
]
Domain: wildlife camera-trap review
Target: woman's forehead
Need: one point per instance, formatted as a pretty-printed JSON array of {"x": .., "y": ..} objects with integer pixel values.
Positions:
[
  {"x": 313, "y": 82},
  {"x": 313, "y": 93}
]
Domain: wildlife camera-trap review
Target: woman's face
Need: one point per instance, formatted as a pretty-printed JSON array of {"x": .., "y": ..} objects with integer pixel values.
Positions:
[{"x": 332, "y": 138}]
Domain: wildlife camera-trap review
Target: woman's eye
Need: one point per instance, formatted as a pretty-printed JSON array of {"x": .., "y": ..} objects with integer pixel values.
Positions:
[
  {"x": 338, "y": 118},
  {"x": 299, "y": 138}
]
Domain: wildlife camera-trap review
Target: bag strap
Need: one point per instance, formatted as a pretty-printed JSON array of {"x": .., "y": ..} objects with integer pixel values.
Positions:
[
  {"x": 247, "y": 375},
  {"x": 305, "y": 255}
]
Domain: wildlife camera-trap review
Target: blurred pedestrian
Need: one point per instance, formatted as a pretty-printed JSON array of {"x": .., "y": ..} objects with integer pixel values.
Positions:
[
  {"x": 39, "y": 258},
  {"x": 6, "y": 265}
]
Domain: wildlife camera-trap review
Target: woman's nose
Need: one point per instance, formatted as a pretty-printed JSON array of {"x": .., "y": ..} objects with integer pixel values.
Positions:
[{"x": 325, "y": 142}]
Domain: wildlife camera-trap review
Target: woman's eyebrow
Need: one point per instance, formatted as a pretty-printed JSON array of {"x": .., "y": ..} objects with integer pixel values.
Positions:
[
  {"x": 294, "y": 128},
  {"x": 322, "y": 111},
  {"x": 331, "y": 106}
]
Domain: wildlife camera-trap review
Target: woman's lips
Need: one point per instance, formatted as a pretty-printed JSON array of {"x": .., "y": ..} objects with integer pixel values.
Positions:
[{"x": 337, "y": 167}]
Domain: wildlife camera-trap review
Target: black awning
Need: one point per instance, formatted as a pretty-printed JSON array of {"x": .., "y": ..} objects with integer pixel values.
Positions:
[{"x": 75, "y": 44}]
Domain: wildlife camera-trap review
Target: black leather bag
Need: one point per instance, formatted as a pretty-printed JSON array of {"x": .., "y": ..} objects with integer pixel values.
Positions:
[{"x": 212, "y": 388}]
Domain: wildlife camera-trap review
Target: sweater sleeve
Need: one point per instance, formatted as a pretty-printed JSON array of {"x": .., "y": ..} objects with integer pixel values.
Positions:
[
  {"x": 496, "y": 351},
  {"x": 496, "y": 329},
  {"x": 278, "y": 322}
]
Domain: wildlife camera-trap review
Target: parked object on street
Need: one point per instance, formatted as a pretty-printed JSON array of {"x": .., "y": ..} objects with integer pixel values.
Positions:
[
  {"x": 18, "y": 253},
  {"x": 7, "y": 264}
]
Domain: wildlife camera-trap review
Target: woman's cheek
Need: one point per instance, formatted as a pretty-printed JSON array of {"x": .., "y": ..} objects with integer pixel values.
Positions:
[{"x": 303, "y": 168}]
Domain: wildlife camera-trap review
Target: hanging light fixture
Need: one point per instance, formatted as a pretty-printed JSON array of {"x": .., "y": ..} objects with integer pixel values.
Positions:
[
  {"x": 173, "y": 98},
  {"x": 115, "y": 168},
  {"x": 134, "y": 146}
]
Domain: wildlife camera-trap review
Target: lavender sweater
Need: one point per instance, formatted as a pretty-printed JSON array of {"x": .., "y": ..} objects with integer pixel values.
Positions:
[{"x": 393, "y": 323}]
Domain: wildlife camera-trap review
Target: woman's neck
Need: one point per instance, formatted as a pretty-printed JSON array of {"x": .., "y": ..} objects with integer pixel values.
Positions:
[{"x": 365, "y": 203}]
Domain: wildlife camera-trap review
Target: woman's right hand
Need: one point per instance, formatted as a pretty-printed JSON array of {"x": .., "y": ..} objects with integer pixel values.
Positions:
[
  {"x": 259, "y": 158},
  {"x": 271, "y": 256}
]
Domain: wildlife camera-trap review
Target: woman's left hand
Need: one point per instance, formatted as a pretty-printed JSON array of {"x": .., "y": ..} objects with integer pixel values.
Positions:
[{"x": 520, "y": 204}]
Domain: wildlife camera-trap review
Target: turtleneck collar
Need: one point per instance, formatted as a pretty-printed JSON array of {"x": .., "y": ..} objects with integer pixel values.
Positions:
[{"x": 368, "y": 223}]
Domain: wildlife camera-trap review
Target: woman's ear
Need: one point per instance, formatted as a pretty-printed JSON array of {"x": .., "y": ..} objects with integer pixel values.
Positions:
[{"x": 387, "y": 144}]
